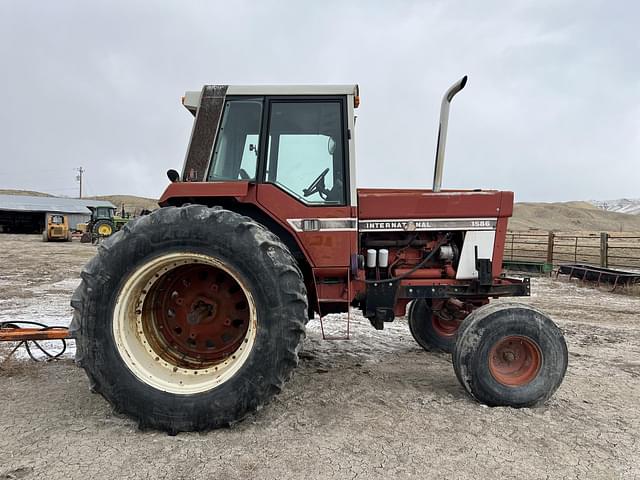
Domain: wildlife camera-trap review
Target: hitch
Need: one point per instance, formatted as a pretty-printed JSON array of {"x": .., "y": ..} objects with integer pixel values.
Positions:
[{"x": 34, "y": 333}]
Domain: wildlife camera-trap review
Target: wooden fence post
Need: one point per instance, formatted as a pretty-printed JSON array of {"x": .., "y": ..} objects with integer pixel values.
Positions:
[
  {"x": 550, "y": 242},
  {"x": 604, "y": 249}
]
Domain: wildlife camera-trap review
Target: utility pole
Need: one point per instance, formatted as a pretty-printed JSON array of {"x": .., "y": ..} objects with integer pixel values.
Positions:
[{"x": 79, "y": 179}]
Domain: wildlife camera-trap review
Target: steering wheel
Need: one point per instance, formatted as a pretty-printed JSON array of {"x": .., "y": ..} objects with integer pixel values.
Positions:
[{"x": 317, "y": 186}]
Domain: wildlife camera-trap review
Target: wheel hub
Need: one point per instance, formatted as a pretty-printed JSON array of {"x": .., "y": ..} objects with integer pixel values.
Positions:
[
  {"x": 445, "y": 327},
  {"x": 202, "y": 310},
  {"x": 200, "y": 315},
  {"x": 515, "y": 360}
]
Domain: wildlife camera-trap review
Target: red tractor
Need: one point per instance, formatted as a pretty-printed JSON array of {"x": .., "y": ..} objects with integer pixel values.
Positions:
[{"x": 192, "y": 317}]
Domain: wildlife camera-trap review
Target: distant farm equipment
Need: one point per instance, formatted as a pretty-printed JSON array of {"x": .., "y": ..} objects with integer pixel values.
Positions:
[
  {"x": 57, "y": 229},
  {"x": 103, "y": 223}
]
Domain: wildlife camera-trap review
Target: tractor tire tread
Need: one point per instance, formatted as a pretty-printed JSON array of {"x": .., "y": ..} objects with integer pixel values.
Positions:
[
  {"x": 498, "y": 320},
  {"x": 135, "y": 237}
]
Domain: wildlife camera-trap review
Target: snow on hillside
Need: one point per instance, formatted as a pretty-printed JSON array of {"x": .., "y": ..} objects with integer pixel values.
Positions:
[{"x": 621, "y": 205}]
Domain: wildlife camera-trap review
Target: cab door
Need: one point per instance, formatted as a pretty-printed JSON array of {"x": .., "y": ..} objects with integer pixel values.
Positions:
[{"x": 304, "y": 175}]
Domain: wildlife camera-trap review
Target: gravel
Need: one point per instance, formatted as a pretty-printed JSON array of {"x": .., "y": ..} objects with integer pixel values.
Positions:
[{"x": 376, "y": 406}]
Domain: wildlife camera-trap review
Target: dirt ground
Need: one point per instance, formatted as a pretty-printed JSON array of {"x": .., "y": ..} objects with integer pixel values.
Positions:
[{"x": 376, "y": 406}]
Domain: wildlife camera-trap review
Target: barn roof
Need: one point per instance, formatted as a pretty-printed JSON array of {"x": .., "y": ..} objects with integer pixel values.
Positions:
[{"x": 27, "y": 203}]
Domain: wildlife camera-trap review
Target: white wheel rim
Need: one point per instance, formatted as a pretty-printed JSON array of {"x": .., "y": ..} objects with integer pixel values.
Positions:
[{"x": 136, "y": 348}]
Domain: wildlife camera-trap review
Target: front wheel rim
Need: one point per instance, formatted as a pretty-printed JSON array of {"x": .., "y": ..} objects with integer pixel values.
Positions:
[
  {"x": 184, "y": 323},
  {"x": 515, "y": 360},
  {"x": 445, "y": 327}
]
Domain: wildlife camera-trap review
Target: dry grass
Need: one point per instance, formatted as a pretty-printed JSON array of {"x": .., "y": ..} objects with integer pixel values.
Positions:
[
  {"x": 24, "y": 192},
  {"x": 131, "y": 203},
  {"x": 570, "y": 217}
]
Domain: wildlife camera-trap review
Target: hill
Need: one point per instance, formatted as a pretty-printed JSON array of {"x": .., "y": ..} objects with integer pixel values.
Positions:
[
  {"x": 131, "y": 203},
  {"x": 621, "y": 205},
  {"x": 24, "y": 192},
  {"x": 571, "y": 216}
]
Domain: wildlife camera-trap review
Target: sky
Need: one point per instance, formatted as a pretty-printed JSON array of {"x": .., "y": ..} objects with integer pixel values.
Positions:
[{"x": 551, "y": 110}]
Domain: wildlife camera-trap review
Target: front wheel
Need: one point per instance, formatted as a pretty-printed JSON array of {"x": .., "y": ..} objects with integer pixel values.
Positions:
[
  {"x": 189, "y": 318},
  {"x": 509, "y": 354},
  {"x": 432, "y": 332}
]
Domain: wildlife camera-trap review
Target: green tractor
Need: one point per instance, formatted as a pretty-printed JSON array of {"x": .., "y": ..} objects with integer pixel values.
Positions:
[{"x": 104, "y": 222}]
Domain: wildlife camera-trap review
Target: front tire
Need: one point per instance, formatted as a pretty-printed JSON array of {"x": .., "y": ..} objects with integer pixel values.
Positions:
[
  {"x": 430, "y": 331},
  {"x": 510, "y": 354},
  {"x": 189, "y": 318}
]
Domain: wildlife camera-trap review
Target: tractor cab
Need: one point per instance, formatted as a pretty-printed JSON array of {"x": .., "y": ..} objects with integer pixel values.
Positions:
[
  {"x": 101, "y": 213},
  {"x": 299, "y": 139}
]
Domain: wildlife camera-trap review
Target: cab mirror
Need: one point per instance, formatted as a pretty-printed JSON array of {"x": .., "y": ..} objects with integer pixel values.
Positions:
[{"x": 173, "y": 175}]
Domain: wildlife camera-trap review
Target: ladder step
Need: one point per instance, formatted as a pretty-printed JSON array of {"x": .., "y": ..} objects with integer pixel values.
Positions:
[{"x": 333, "y": 300}]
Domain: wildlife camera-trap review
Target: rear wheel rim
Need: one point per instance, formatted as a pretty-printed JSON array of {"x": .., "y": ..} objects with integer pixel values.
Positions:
[
  {"x": 515, "y": 360},
  {"x": 104, "y": 230},
  {"x": 184, "y": 323}
]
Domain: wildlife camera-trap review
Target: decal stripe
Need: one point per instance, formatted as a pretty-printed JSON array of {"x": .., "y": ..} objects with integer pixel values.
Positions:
[
  {"x": 390, "y": 225},
  {"x": 426, "y": 224},
  {"x": 323, "y": 224}
]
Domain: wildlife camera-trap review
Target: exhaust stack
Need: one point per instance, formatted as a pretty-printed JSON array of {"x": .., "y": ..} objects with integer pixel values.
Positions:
[{"x": 442, "y": 130}]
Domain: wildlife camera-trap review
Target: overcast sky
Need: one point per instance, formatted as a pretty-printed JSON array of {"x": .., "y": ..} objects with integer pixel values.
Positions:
[{"x": 551, "y": 110}]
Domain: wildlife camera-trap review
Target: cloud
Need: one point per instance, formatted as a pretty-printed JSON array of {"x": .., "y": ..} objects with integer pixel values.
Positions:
[{"x": 550, "y": 112}]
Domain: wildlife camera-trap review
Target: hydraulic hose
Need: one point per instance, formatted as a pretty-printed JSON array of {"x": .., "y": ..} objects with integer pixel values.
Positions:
[{"x": 42, "y": 326}]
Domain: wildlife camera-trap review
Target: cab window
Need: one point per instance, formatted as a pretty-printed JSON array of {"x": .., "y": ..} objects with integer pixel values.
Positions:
[
  {"x": 305, "y": 153},
  {"x": 236, "y": 150}
]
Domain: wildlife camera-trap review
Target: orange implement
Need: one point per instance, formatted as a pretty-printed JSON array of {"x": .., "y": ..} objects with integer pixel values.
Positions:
[{"x": 29, "y": 334}]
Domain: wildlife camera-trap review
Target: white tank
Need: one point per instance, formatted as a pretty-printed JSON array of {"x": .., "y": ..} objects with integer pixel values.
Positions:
[
  {"x": 371, "y": 258},
  {"x": 383, "y": 258}
]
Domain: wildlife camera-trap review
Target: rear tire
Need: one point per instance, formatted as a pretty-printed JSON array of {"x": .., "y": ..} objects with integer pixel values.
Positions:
[
  {"x": 190, "y": 318},
  {"x": 431, "y": 332},
  {"x": 510, "y": 354}
]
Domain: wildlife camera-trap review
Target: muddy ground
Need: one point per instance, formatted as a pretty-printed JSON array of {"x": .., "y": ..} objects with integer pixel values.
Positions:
[{"x": 376, "y": 406}]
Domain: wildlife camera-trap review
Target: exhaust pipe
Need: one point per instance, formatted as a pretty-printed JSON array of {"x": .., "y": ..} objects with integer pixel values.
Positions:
[{"x": 442, "y": 130}]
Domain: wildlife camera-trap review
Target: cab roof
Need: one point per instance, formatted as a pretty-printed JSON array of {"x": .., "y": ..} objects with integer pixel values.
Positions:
[{"x": 191, "y": 99}]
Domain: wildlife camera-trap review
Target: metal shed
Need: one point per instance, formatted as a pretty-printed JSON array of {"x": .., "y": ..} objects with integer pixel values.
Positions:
[{"x": 28, "y": 214}]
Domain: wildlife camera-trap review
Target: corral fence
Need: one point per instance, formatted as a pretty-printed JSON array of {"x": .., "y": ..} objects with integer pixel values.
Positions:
[{"x": 604, "y": 249}]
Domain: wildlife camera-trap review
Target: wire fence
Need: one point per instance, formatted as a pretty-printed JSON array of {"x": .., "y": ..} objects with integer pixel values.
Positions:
[{"x": 619, "y": 250}]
